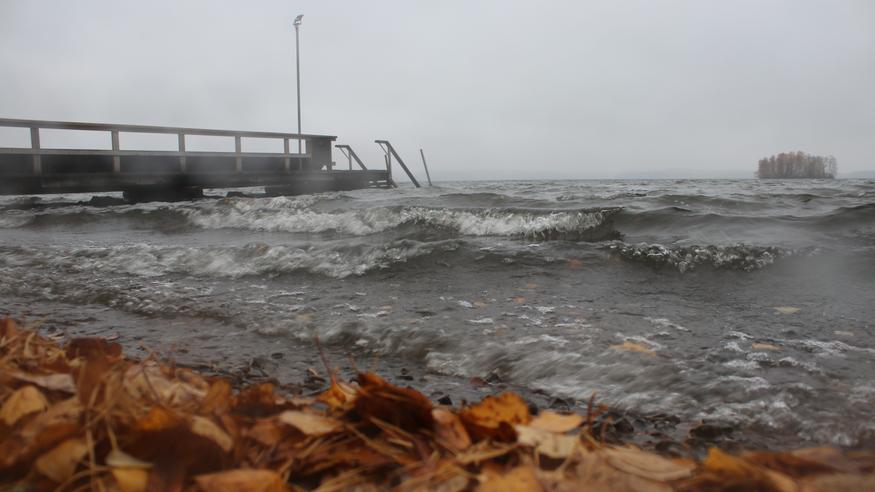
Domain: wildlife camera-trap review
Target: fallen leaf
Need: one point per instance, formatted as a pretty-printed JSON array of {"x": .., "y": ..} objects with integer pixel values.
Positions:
[
  {"x": 519, "y": 300},
  {"x": 495, "y": 416},
  {"x": 241, "y": 481},
  {"x": 59, "y": 422},
  {"x": 266, "y": 431},
  {"x": 554, "y": 422},
  {"x": 402, "y": 407},
  {"x": 839, "y": 481},
  {"x": 449, "y": 429},
  {"x": 574, "y": 264},
  {"x": 119, "y": 459},
  {"x": 719, "y": 462},
  {"x": 520, "y": 479},
  {"x": 24, "y": 401},
  {"x": 52, "y": 382},
  {"x": 592, "y": 472},
  {"x": 60, "y": 463},
  {"x": 646, "y": 465},
  {"x": 131, "y": 479},
  {"x": 764, "y": 346},
  {"x": 206, "y": 428},
  {"x": 786, "y": 309},
  {"x": 309, "y": 423},
  {"x": 633, "y": 347},
  {"x": 546, "y": 442}
]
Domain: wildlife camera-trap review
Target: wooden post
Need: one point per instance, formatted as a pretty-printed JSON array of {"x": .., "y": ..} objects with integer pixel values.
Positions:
[
  {"x": 286, "y": 152},
  {"x": 238, "y": 147},
  {"x": 116, "y": 160},
  {"x": 425, "y": 166},
  {"x": 34, "y": 144},
  {"x": 181, "y": 138}
]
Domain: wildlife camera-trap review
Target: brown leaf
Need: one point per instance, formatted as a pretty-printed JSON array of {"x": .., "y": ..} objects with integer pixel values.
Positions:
[
  {"x": 402, "y": 407},
  {"x": 119, "y": 459},
  {"x": 547, "y": 443},
  {"x": 449, "y": 429},
  {"x": 520, "y": 479},
  {"x": 218, "y": 397},
  {"x": 754, "y": 476},
  {"x": 23, "y": 401},
  {"x": 93, "y": 348},
  {"x": 52, "y": 382},
  {"x": 130, "y": 479},
  {"x": 646, "y": 465},
  {"x": 495, "y": 417},
  {"x": 554, "y": 422},
  {"x": 839, "y": 482},
  {"x": 241, "y": 481},
  {"x": 60, "y": 463},
  {"x": 266, "y": 431},
  {"x": 309, "y": 423},
  {"x": 208, "y": 429},
  {"x": 60, "y": 421},
  {"x": 592, "y": 473}
]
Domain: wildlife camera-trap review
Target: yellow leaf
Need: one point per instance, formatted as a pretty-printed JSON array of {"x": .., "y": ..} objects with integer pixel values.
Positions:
[
  {"x": 554, "y": 422},
  {"x": 24, "y": 401},
  {"x": 309, "y": 423},
  {"x": 60, "y": 463},
  {"x": 633, "y": 347},
  {"x": 131, "y": 479},
  {"x": 241, "y": 481}
]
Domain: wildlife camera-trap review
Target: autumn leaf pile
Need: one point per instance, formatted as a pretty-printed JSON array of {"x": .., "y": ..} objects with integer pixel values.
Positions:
[{"x": 83, "y": 417}]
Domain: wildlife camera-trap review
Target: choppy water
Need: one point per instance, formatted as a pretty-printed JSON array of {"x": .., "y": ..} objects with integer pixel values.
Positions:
[{"x": 754, "y": 300}]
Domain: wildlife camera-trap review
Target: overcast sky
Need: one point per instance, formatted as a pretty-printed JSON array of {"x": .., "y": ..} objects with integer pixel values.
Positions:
[{"x": 490, "y": 89}]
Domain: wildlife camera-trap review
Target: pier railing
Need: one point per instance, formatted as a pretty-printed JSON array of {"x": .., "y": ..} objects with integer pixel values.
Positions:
[{"x": 39, "y": 161}]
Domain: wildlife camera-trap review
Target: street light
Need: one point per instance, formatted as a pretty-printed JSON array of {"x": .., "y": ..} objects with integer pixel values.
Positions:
[{"x": 297, "y": 25}]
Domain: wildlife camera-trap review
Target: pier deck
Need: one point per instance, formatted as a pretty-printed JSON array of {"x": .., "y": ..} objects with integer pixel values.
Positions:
[{"x": 180, "y": 172}]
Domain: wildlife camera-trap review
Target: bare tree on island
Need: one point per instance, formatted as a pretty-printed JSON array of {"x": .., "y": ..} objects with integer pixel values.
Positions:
[{"x": 796, "y": 165}]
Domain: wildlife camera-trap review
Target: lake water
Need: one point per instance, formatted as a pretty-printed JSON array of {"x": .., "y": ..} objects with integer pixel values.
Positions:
[{"x": 745, "y": 303}]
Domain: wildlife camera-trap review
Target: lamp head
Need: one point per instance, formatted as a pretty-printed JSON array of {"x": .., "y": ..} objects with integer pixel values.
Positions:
[{"x": 298, "y": 20}]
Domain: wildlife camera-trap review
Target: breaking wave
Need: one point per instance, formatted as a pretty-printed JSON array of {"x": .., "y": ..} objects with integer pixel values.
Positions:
[
  {"x": 146, "y": 260},
  {"x": 687, "y": 258},
  {"x": 530, "y": 224}
]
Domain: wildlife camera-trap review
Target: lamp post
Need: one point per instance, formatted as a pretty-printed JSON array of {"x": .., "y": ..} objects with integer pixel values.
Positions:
[{"x": 297, "y": 25}]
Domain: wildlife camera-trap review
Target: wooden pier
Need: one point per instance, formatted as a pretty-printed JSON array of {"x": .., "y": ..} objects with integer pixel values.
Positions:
[{"x": 177, "y": 174}]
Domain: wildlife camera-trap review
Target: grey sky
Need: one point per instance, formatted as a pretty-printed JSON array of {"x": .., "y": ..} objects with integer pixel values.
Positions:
[{"x": 499, "y": 89}]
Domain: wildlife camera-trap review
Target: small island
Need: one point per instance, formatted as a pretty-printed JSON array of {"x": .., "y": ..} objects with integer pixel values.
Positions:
[{"x": 797, "y": 165}]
